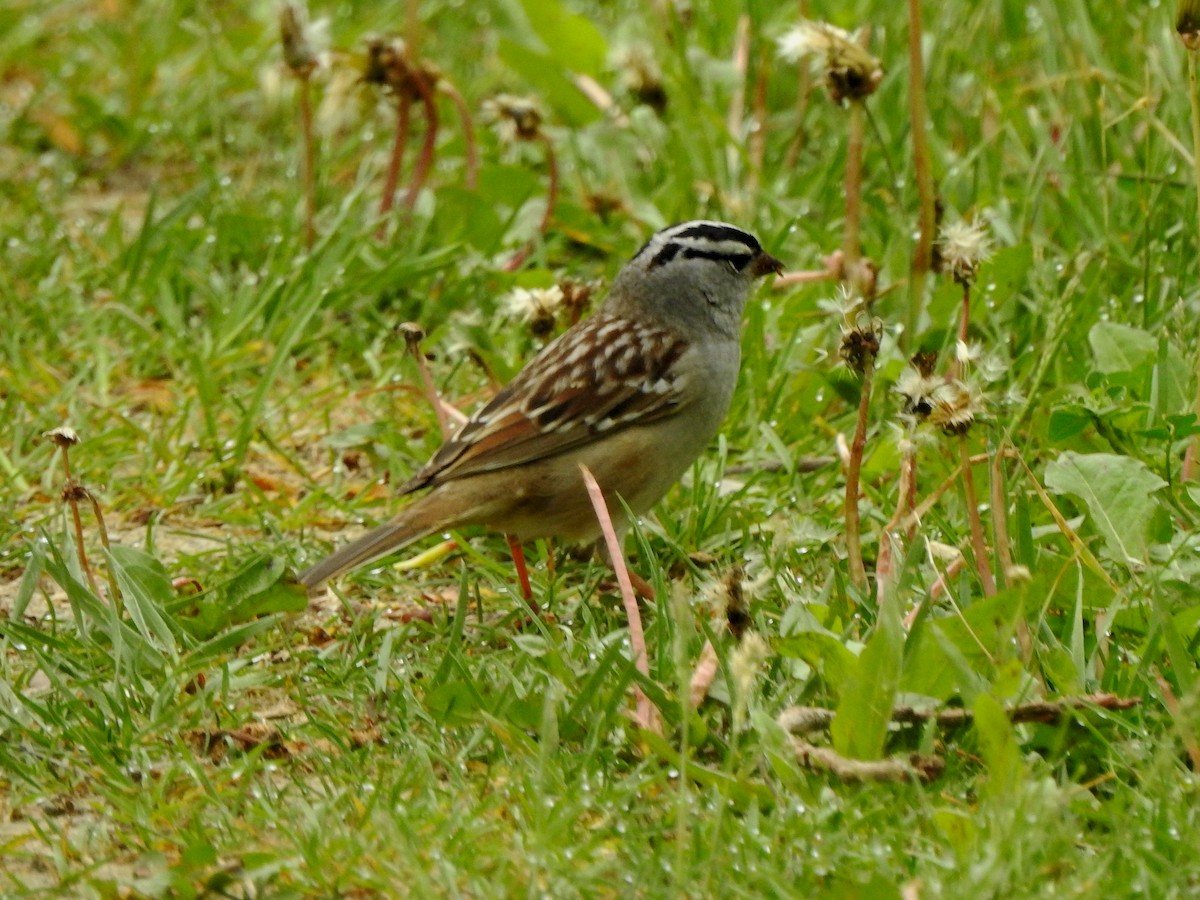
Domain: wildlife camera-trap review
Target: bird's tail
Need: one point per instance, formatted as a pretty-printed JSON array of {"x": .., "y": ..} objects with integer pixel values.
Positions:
[{"x": 375, "y": 543}]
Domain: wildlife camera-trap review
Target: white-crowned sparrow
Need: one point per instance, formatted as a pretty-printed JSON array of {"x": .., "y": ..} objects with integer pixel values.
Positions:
[{"x": 635, "y": 392}]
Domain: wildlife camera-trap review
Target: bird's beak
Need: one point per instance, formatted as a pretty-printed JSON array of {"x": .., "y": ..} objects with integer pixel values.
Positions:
[{"x": 765, "y": 264}]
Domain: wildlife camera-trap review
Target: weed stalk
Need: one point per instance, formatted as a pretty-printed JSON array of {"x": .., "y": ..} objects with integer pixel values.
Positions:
[{"x": 918, "y": 111}]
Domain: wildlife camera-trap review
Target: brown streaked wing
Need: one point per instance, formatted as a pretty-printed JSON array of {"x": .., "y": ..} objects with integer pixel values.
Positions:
[{"x": 555, "y": 402}]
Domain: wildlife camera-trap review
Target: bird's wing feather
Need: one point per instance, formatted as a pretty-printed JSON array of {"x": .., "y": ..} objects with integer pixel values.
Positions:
[{"x": 566, "y": 396}]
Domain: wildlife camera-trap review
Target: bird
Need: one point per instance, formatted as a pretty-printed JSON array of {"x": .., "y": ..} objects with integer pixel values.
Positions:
[{"x": 635, "y": 392}]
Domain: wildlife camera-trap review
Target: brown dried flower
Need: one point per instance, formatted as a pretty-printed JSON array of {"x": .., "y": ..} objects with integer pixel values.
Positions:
[{"x": 851, "y": 73}]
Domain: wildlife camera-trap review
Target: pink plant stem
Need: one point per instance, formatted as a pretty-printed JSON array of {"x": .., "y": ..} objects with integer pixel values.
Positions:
[
  {"x": 431, "y": 393},
  {"x": 428, "y": 145},
  {"x": 71, "y": 494},
  {"x": 978, "y": 544},
  {"x": 79, "y": 548},
  {"x": 393, "y": 172},
  {"x": 646, "y": 715},
  {"x": 464, "y": 116}
]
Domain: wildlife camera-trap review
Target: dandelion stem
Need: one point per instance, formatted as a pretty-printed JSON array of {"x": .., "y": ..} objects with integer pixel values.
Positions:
[
  {"x": 978, "y": 544},
  {"x": 71, "y": 495},
  {"x": 858, "y": 572},
  {"x": 851, "y": 238},
  {"x": 310, "y": 165},
  {"x": 923, "y": 256},
  {"x": 393, "y": 172},
  {"x": 464, "y": 115},
  {"x": 428, "y": 145},
  {"x": 79, "y": 548}
]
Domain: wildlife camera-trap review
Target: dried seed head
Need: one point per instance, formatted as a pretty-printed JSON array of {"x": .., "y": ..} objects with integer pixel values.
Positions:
[
  {"x": 851, "y": 73},
  {"x": 924, "y": 361},
  {"x": 413, "y": 334},
  {"x": 962, "y": 248},
  {"x": 74, "y": 492},
  {"x": 954, "y": 407},
  {"x": 917, "y": 385},
  {"x": 736, "y": 606},
  {"x": 299, "y": 39},
  {"x": 642, "y": 77},
  {"x": 1015, "y": 574},
  {"x": 387, "y": 66},
  {"x": 860, "y": 346},
  {"x": 62, "y": 436},
  {"x": 1187, "y": 23},
  {"x": 514, "y": 118},
  {"x": 536, "y": 307}
]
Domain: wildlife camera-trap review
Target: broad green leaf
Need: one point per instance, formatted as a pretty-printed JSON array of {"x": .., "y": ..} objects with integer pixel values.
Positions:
[
  {"x": 1118, "y": 492},
  {"x": 571, "y": 39},
  {"x": 997, "y": 746},
  {"x": 825, "y": 653},
  {"x": 864, "y": 709},
  {"x": 1067, "y": 422},
  {"x": 262, "y": 586},
  {"x": 1121, "y": 348}
]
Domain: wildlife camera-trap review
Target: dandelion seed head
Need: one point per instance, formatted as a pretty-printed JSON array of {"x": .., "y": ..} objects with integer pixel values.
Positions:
[
  {"x": 305, "y": 43},
  {"x": 513, "y": 118},
  {"x": 532, "y": 304},
  {"x": 964, "y": 247},
  {"x": 851, "y": 73}
]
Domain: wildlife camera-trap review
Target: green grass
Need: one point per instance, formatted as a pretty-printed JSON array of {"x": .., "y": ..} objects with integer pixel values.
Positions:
[{"x": 239, "y": 397}]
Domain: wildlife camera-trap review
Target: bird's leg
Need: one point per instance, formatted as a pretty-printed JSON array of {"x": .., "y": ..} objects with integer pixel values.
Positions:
[
  {"x": 518, "y": 555},
  {"x": 641, "y": 586}
]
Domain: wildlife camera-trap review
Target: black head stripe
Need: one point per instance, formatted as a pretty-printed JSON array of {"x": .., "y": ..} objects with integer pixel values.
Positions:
[
  {"x": 666, "y": 254},
  {"x": 738, "y": 260},
  {"x": 718, "y": 233},
  {"x": 701, "y": 240}
]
